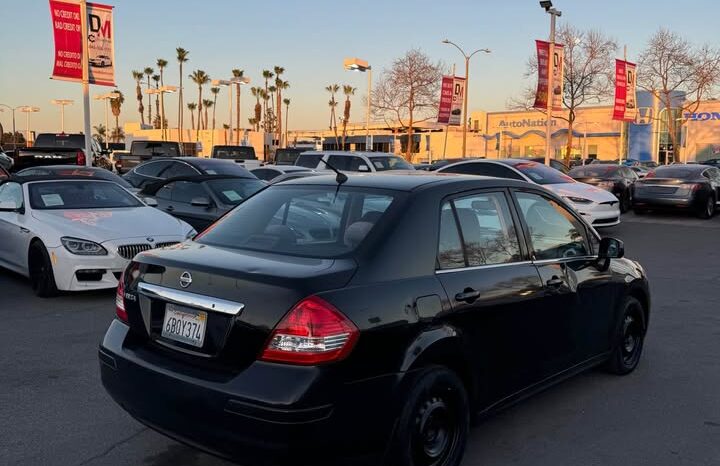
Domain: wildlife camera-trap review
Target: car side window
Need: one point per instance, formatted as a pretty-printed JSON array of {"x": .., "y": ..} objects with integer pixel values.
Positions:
[
  {"x": 487, "y": 230},
  {"x": 178, "y": 169},
  {"x": 165, "y": 192},
  {"x": 485, "y": 169},
  {"x": 186, "y": 191},
  {"x": 152, "y": 169},
  {"x": 450, "y": 250},
  {"x": 11, "y": 193},
  {"x": 555, "y": 233}
]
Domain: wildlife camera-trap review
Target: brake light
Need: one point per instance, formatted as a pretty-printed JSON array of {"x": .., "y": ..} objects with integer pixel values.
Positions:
[
  {"x": 80, "y": 157},
  {"x": 313, "y": 332},
  {"x": 120, "y": 299},
  {"x": 650, "y": 174}
]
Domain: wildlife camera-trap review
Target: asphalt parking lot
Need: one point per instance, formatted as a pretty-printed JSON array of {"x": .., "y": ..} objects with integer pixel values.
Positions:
[{"x": 54, "y": 411}]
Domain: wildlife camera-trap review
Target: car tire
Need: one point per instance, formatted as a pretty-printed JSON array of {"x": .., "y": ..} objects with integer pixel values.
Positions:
[
  {"x": 708, "y": 208},
  {"x": 629, "y": 339},
  {"x": 41, "y": 273},
  {"x": 433, "y": 424},
  {"x": 625, "y": 201}
]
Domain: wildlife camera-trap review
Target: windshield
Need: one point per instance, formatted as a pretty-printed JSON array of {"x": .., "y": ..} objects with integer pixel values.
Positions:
[
  {"x": 541, "y": 174},
  {"x": 234, "y": 152},
  {"x": 166, "y": 149},
  {"x": 81, "y": 194},
  {"x": 309, "y": 221},
  {"x": 595, "y": 171},
  {"x": 234, "y": 191},
  {"x": 390, "y": 163}
]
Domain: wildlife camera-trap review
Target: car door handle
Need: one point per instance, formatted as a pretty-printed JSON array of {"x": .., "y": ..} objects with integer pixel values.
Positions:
[
  {"x": 24, "y": 230},
  {"x": 169, "y": 208},
  {"x": 555, "y": 282},
  {"x": 467, "y": 296}
]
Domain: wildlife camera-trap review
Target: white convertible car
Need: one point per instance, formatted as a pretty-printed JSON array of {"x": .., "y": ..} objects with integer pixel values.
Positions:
[{"x": 77, "y": 234}]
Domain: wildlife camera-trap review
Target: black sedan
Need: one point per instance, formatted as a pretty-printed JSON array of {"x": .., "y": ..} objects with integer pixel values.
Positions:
[
  {"x": 200, "y": 200},
  {"x": 173, "y": 167},
  {"x": 368, "y": 316},
  {"x": 617, "y": 179},
  {"x": 694, "y": 188}
]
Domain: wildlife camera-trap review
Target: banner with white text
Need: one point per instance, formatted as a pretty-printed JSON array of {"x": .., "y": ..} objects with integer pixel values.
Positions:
[
  {"x": 625, "y": 107},
  {"x": 558, "y": 69}
]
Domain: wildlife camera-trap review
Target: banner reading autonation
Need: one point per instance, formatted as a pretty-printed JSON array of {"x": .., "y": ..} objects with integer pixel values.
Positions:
[
  {"x": 67, "y": 31},
  {"x": 625, "y": 107},
  {"x": 541, "y": 95}
]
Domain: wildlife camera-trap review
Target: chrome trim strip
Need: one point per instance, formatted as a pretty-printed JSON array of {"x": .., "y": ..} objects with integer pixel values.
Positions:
[
  {"x": 184, "y": 298},
  {"x": 564, "y": 259},
  {"x": 481, "y": 267}
]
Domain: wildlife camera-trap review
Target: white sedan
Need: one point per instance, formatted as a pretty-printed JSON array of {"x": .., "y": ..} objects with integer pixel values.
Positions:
[
  {"x": 597, "y": 206},
  {"x": 77, "y": 234}
]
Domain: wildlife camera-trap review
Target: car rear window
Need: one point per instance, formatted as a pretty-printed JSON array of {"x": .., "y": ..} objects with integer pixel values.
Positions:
[
  {"x": 542, "y": 174},
  {"x": 676, "y": 172},
  {"x": 390, "y": 163},
  {"x": 308, "y": 160},
  {"x": 234, "y": 152},
  {"x": 154, "y": 148},
  {"x": 72, "y": 141},
  {"x": 287, "y": 156},
  {"x": 597, "y": 171},
  {"x": 81, "y": 194},
  {"x": 309, "y": 221}
]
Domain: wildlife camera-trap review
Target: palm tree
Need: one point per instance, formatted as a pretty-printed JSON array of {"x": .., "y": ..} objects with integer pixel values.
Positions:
[
  {"x": 137, "y": 76},
  {"x": 332, "y": 89},
  {"x": 200, "y": 78},
  {"x": 226, "y": 127},
  {"x": 115, "y": 106},
  {"x": 207, "y": 103},
  {"x": 256, "y": 91},
  {"x": 279, "y": 70},
  {"x": 215, "y": 91},
  {"x": 348, "y": 91},
  {"x": 100, "y": 133},
  {"x": 149, "y": 72},
  {"x": 117, "y": 134},
  {"x": 161, "y": 64},
  {"x": 267, "y": 75},
  {"x": 286, "y": 101},
  {"x": 157, "y": 123},
  {"x": 268, "y": 124},
  {"x": 182, "y": 57},
  {"x": 237, "y": 74},
  {"x": 192, "y": 106}
]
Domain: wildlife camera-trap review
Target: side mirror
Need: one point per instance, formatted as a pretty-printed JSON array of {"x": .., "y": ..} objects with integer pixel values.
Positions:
[
  {"x": 200, "y": 202},
  {"x": 9, "y": 206},
  {"x": 611, "y": 248},
  {"x": 152, "y": 202}
]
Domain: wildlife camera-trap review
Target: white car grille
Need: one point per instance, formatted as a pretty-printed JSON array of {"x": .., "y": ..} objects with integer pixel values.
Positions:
[{"x": 128, "y": 251}]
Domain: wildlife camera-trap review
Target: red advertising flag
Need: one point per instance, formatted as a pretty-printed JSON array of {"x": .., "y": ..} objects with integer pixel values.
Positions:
[
  {"x": 558, "y": 68},
  {"x": 446, "y": 99},
  {"x": 625, "y": 106},
  {"x": 68, "y": 40}
]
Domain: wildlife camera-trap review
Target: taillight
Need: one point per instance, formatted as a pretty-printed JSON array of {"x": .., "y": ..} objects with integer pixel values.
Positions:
[
  {"x": 120, "y": 299},
  {"x": 80, "y": 157},
  {"x": 313, "y": 332},
  {"x": 650, "y": 175}
]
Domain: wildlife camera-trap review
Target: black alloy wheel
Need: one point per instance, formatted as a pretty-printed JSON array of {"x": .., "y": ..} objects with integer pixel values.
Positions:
[
  {"x": 630, "y": 339},
  {"x": 41, "y": 274},
  {"x": 433, "y": 425},
  {"x": 708, "y": 209}
]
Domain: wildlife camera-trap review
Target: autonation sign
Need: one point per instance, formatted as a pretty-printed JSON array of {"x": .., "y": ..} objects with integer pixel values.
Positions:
[
  {"x": 526, "y": 123},
  {"x": 702, "y": 116}
]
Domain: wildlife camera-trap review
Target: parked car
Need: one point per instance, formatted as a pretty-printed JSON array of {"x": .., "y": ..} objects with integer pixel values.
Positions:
[
  {"x": 269, "y": 172},
  {"x": 167, "y": 167},
  {"x": 597, "y": 206},
  {"x": 235, "y": 153},
  {"x": 60, "y": 149},
  {"x": 381, "y": 323},
  {"x": 288, "y": 155},
  {"x": 100, "y": 61},
  {"x": 711, "y": 162},
  {"x": 641, "y": 172},
  {"x": 77, "y": 234},
  {"x": 351, "y": 161},
  {"x": 200, "y": 200},
  {"x": 143, "y": 151},
  {"x": 82, "y": 172},
  {"x": 617, "y": 179},
  {"x": 6, "y": 162},
  {"x": 694, "y": 188}
]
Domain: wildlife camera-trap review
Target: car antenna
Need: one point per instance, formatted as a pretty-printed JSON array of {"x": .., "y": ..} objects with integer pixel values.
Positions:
[{"x": 340, "y": 177}]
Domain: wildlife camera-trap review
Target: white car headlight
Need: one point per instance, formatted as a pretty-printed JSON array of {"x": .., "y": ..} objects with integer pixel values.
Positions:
[
  {"x": 83, "y": 247},
  {"x": 578, "y": 200}
]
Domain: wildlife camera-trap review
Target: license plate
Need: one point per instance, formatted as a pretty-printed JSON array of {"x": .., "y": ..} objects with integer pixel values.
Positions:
[{"x": 184, "y": 325}]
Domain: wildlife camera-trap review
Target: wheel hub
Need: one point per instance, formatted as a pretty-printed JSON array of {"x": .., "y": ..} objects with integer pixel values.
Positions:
[{"x": 434, "y": 431}]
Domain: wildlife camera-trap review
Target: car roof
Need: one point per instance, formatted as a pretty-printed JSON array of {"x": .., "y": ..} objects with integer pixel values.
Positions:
[
  {"x": 283, "y": 168},
  {"x": 340, "y": 152},
  {"x": 407, "y": 180},
  {"x": 32, "y": 179},
  {"x": 699, "y": 168},
  {"x": 155, "y": 186}
]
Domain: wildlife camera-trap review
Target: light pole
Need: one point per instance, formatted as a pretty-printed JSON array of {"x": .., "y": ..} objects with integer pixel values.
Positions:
[
  {"x": 27, "y": 110},
  {"x": 467, "y": 87},
  {"x": 554, "y": 13},
  {"x": 12, "y": 109},
  {"x": 62, "y": 103},
  {"x": 162, "y": 90},
  {"x": 356, "y": 64},
  {"x": 230, "y": 83},
  {"x": 107, "y": 98}
]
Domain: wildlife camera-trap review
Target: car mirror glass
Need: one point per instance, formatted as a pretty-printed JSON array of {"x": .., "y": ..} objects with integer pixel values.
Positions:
[{"x": 611, "y": 248}]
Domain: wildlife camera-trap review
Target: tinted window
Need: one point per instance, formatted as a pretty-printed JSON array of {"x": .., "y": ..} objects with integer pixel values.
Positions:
[
  {"x": 313, "y": 221},
  {"x": 390, "y": 163},
  {"x": 234, "y": 152},
  {"x": 11, "y": 192},
  {"x": 165, "y": 192},
  {"x": 287, "y": 156},
  {"x": 178, "y": 169},
  {"x": 308, "y": 160},
  {"x": 71, "y": 141},
  {"x": 484, "y": 169},
  {"x": 266, "y": 174},
  {"x": 221, "y": 167},
  {"x": 81, "y": 194},
  {"x": 348, "y": 163},
  {"x": 595, "y": 171},
  {"x": 151, "y": 168},
  {"x": 450, "y": 250},
  {"x": 554, "y": 232},
  {"x": 234, "y": 191},
  {"x": 542, "y": 174},
  {"x": 186, "y": 191},
  {"x": 154, "y": 148},
  {"x": 677, "y": 172}
]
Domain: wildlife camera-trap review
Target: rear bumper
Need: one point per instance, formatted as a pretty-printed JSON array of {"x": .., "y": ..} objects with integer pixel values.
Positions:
[
  {"x": 663, "y": 203},
  {"x": 268, "y": 412}
]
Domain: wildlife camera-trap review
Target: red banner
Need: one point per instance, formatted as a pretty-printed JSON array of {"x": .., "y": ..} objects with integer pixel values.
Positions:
[
  {"x": 541, "y": 95},
  {"x": 625, "y": 108},
  {"x": 67, "y": 30},
  {"x": 446, "y": 99}
]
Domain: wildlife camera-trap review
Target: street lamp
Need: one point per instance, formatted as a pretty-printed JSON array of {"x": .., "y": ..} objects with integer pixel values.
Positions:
[
  {"x": 162, "y": 90},
  {"x": 467, "y": 87},
  {"x": 27, "y": 110},
  {"x": 107, "y": 97},
  {"x": 356, "y": 64},
  {"x": 62, "y": 103},
  {"x": 12, "y": 109},
  {"x": 230, "y": 83},
  {"x": 554, "y": 13}
]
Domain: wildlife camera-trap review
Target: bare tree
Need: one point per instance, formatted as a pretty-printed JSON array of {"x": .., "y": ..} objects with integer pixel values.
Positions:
[
  {"x": 669, "y": 65},
  {"x": 408, "y": 92},
  {"x": 588, "y": 75}
]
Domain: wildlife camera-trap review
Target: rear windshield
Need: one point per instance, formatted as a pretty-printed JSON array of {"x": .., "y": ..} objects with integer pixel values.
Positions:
[
  {"x": 597, "y": 171},
  {"x": 154, "y": 148},
  {"x": 234, "y": 191},
  {"x": 81, "y": 194},
  {"x": 676, "y": 172},
  {"x": 308, "y": 160},
  {"x": 72, "y": 141},
  {"x": 234, "y": 152},
  {"x": 309, "y": 221},
  {"x": 390, "y": 163},
  {"x": 287, "y": 156},
  {"x": 542, "y": 174}
]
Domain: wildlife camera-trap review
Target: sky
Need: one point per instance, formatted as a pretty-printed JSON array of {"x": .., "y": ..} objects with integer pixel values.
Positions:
[{"x": 310, "y": 39}]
